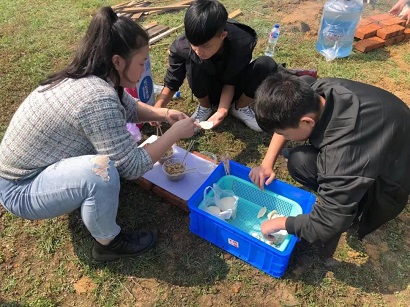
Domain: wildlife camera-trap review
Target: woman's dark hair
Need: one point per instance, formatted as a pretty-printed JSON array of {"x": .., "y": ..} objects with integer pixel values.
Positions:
[
  {"x": 107, "y": 35},
  {"x": 281, "y": 101},
  {"x": 203, "y": 20}
]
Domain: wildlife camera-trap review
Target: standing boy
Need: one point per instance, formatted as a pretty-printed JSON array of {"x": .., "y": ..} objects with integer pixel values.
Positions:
[
  {"x": 357, "y": 159},
  {"x": 215, "y": 55}
]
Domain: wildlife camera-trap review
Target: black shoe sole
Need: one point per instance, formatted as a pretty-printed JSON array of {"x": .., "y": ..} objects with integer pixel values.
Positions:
[{"x": 113, "y": 257}]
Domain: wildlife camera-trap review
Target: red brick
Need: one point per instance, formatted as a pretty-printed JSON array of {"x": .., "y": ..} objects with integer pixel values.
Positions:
[
  {"x": 394, "y": 40},
  {"x": 367, "y": 31},
  {"x": 406, "y": 33},
  {"x": 390, "y": 31},
  {"x": 392, "y": 21},
  {"x": 380, "y": 17},
  {"x": 368, "y": 44},
  {"x": 364, "y": 22}
]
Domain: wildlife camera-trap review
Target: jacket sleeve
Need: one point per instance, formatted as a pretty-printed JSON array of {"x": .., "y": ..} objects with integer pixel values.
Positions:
[
  {"x": 176, "y": 71},
  {"x": 339, "y": 195}
]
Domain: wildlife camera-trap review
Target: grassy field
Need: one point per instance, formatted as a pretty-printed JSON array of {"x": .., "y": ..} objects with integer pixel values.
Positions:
[{"x": 48, "y": 262}]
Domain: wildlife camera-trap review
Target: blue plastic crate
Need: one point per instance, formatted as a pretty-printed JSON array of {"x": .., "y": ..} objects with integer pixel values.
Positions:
[
  {"x": 251, "y": 200},
  {"x": 234, "y": 236}
]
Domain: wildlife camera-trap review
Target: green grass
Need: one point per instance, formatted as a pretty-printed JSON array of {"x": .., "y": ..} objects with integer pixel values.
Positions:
[{"x": 41, "y": 262}]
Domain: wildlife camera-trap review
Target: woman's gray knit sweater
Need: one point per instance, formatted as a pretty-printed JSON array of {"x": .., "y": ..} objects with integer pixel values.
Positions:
[{"x": 74, "y": 118}]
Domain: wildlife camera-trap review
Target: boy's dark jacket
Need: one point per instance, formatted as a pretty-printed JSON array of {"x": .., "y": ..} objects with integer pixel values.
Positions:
[
  {"x": 183, "y": 61},
  {"x": 363, "y": 138}
]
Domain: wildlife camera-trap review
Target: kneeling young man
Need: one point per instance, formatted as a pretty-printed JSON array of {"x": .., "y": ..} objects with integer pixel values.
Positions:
[
  {"x": 215, "y": 55},
  {"x": 357, "y": 159}
]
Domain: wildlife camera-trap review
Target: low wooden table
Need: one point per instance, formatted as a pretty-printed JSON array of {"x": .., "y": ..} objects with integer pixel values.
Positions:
[{"x": 164, "y": 194}]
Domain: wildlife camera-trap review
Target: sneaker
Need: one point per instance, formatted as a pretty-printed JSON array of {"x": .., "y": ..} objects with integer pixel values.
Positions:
[
  {"x": 125, "y": 245},
  {"x": 247, "y": 116},
  {"x": 202, "y": 114}
]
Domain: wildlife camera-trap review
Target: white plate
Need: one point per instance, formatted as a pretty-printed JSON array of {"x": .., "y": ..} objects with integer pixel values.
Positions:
[{"x": 206, "y": 125}]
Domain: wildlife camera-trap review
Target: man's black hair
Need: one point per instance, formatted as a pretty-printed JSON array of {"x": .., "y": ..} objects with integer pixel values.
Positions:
[
  {"x": 282, "y": 100},
  {"x": 203, "y": 20}
]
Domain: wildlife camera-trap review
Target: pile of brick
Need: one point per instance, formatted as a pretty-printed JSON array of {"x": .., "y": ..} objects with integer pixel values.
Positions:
[{"x": 376, "y": 31}]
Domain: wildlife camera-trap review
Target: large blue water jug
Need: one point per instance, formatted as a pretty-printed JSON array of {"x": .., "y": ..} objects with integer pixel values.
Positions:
[{"x": 337, "y": 28}]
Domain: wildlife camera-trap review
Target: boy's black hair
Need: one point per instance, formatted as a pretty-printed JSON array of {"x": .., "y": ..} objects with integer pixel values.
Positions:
[
  {"x": 203, "y": 20},
  {"x": 282, "y": 100}
]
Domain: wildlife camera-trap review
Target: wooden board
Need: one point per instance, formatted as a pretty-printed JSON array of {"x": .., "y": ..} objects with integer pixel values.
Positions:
[
  {"x": 166, "y": 33},
  {"x": 156, "y": 30},
  {"x": 121, "y": 5},
  {"x": 136, "y": 16},
  {"x": 235, "y": 13},
  {"x": 150, "y": 25},
  {"x": 153, "y": 8},
  {"x": 162, "y": 11}
]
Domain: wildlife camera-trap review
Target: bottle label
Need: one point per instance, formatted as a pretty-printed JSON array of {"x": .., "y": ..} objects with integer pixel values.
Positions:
[
  {"x": 145, "y": 85},
  {"x": 333, "y": 33},
  {"x": 145, "y": 89}
]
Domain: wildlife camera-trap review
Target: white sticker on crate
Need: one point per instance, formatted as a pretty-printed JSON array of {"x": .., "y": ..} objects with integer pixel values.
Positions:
[{"x": 233, "y": 243}]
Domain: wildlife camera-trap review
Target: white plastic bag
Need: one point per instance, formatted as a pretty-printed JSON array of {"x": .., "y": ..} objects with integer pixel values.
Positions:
[{"x": 223, "y": 204}]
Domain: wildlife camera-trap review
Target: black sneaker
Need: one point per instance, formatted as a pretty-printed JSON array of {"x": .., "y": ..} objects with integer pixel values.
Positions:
[{"x": 125, "y": 245}]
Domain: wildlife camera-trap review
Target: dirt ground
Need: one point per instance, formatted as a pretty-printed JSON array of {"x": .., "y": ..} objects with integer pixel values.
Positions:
[{"x": 149, "y": 288}]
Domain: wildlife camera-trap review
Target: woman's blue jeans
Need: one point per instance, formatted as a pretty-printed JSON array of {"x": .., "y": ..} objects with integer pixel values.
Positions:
[{"x": 91, "y": 183}]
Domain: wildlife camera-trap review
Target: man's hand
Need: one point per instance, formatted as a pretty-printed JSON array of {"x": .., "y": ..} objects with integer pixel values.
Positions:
[
  {"x": 259, "y": 174},
  {"x": 271, "y": 226}
]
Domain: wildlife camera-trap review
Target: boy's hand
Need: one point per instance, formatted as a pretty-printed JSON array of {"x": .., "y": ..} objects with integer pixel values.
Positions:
[
  {"x": 218, "y": 117},
  {"x": 271, "y": 226},
  {"x": 259, "y": 174}
]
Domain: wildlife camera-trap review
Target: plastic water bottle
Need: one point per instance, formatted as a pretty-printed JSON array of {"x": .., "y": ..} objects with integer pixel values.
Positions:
[
  {"x": 158, "y": 89},
  {"x": 273, "y": 39},
  {"x": 337, "y": 28}
]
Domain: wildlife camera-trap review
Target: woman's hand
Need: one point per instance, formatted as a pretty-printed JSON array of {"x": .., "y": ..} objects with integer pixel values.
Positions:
[
  {"x": 184, "y": 128},
  {"x": 172, "y": 116},
  {"x": 259, "y": 174}
]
